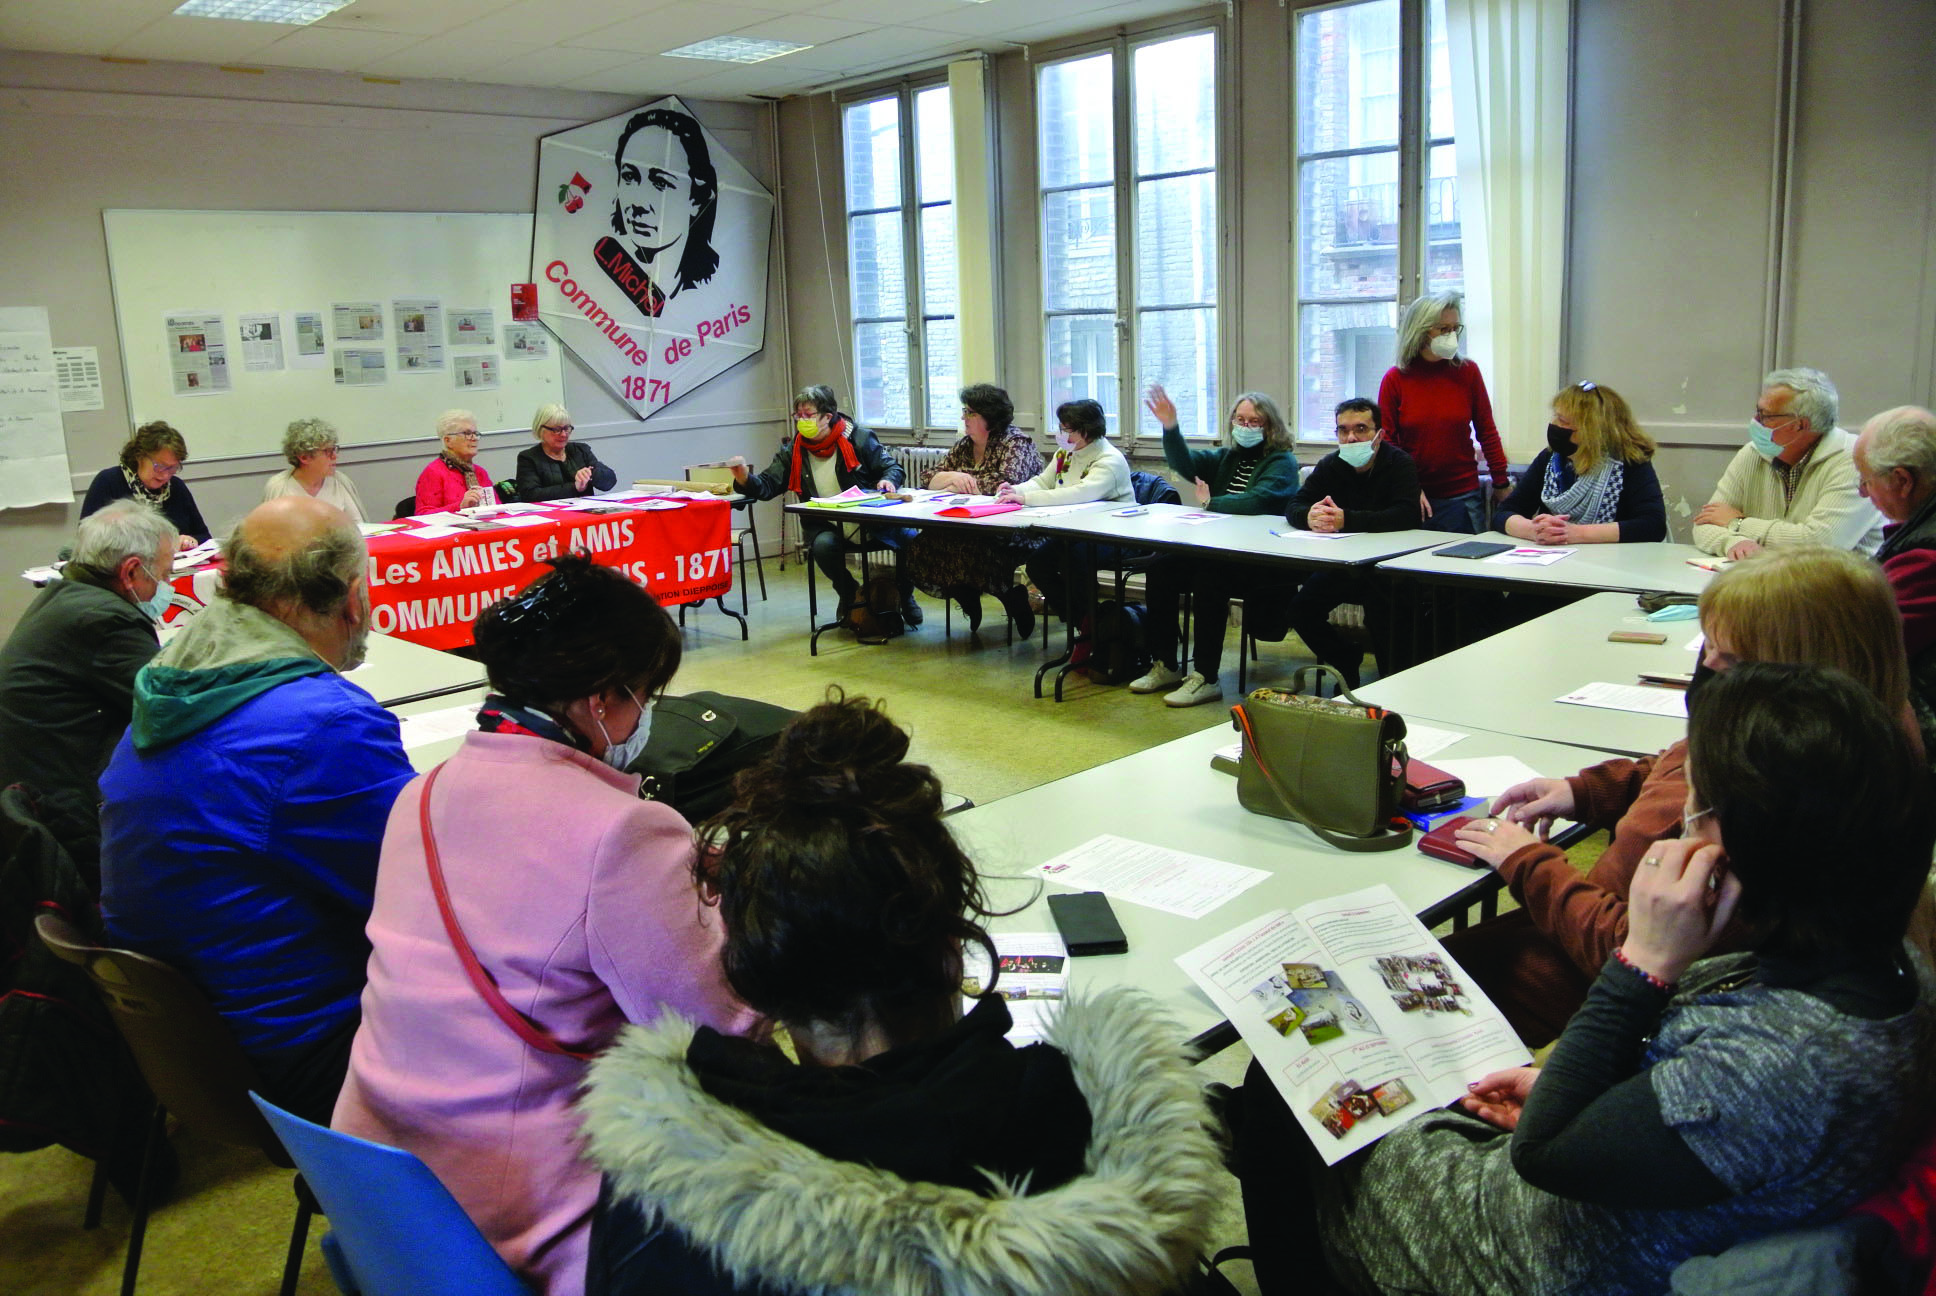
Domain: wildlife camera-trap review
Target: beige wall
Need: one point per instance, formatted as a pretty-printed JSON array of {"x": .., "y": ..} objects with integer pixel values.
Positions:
[
  {"x": 1687, "y": 272},
  {"x": 79, "y": 135}
]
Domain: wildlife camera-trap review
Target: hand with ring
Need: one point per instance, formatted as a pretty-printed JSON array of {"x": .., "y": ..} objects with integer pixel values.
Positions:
[{"x": 1493, "y": 840}]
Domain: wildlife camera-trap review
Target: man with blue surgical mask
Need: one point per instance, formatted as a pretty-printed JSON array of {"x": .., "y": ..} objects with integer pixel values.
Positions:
[
  {"x": 1795, "y": 481},
  {"x": 1366, "y": 484},
  {"x": 67, "y": 671}
]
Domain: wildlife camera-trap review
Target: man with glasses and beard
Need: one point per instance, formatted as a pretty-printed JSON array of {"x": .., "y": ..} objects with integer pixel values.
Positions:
[{"x": 243, "y": 810}]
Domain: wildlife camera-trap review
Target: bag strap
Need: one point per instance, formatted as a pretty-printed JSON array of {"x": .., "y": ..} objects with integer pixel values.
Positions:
[
  {"x": 521, "y": 1026},
  {"x": 1387, "y": 839},
  {"x": 1320, "y": 670}
]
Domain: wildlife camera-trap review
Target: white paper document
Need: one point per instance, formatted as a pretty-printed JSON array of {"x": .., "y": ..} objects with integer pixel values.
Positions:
[
  {"x": 33, "y": 438},
  {"x": 444, "y": 518},
  {"x": 1425, "y": 741},
  {"x": 1189, "y": 886},
  {"x": 359, "y": 367},
  {"x": 1529, "y": 556},
  {"x": 1034, "y": 979},
  {"x": 1669, "y": 702},
  {"x": 311, "y": 351},
  {"x": 1359, "y": 1017},
  {"x": 437, "y": 726},
  {"x": 356, "y": 321},
  {"x": 198, "y": 353},
  {"x": 78, "y": 370},
  {"x": 433, "y": 532},
  {"x": 201, "y": 553},
  {"x": 261, "y": 341},
  {"x": 1488, "y": 776},
  {"x": 471, "y": 326}
]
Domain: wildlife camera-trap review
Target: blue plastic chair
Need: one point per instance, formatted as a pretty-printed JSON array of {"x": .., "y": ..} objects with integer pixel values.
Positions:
[{"x": 395, "y": 1230}]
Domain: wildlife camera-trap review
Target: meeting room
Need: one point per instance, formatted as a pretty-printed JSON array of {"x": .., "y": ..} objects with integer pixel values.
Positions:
[{"x": 992, "y": 646}]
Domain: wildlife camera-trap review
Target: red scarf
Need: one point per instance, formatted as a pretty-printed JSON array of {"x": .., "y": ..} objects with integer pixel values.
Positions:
[{"x": 820, "y": 450}]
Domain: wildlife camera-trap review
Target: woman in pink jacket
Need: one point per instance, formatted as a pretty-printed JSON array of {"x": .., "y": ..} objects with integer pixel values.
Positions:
[{"x": 575, "y": 898}]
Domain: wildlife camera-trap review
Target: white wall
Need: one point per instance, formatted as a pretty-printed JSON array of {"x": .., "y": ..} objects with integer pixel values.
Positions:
[{"x": 80, "y": 135}]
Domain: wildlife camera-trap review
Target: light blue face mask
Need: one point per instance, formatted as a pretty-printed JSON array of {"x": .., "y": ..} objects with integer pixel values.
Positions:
[
  {"x": 1247, "y": 437},
  {"x": 1762, "y": 440},
  {"x": 1358, "y": 453},
  {"x": 621, "y": 755},
  {"x": 164, "y": 596}
]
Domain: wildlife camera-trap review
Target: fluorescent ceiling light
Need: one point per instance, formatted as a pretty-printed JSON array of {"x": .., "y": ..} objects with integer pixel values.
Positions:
[
  {"x": 294, "y": 13},
  {"x": 736, "y": 49}
]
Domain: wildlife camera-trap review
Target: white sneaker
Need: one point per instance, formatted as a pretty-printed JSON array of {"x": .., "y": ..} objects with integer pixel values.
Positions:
[
  {"x": 1160, "y": 679},
  {"x": 1194, "y": 691}
]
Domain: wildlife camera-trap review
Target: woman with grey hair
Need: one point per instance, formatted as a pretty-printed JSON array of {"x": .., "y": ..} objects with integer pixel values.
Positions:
[
  {"x": 559, "y": 467},
  {"x": 150, "y": 462},
  {"x": 310, "y": 445},
  {"x": 1432, "y": 404},
  {"x": 1251, "y": 470},
  {"x": 454, "y": 479}
]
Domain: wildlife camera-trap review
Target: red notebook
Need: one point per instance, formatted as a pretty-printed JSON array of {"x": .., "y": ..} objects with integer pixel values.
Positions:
[{"x": 977, "y": 510}]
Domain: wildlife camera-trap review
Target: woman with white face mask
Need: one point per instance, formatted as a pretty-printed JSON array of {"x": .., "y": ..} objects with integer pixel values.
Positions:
[
  {"x": 1085, "y": 466},
  {"x": 572, "y": 894},
  {"x": 1433, "y": 405},
  {"x": 1252, "y": 471}
]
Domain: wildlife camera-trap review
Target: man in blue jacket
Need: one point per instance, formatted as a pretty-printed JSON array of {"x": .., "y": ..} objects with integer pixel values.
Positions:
[{"x": 244, "y": 808}]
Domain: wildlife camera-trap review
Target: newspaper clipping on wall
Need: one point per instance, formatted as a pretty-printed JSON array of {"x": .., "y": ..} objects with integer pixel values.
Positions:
[{"x": 198, "y": 356}]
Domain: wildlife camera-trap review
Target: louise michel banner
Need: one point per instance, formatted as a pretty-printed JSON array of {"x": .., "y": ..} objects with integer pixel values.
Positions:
[
  {"x": 650, "y": 252},
  {"x": 431, "y": 590}
]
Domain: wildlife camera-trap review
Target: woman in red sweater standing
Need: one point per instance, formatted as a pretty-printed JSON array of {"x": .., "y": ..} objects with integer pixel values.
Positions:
[{"x": 1432, "y": 404}]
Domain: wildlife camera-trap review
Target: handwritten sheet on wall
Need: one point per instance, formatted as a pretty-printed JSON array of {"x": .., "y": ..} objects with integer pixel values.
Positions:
[{"x": 33, "y": 442}]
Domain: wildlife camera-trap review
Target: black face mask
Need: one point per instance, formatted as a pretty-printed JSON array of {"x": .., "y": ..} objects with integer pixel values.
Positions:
[
  {"x": 1561, "y": 440},
  {"x": 1702, "y": 674}
]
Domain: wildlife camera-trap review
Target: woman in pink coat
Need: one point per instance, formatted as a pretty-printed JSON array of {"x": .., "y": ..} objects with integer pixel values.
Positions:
[{"x": 574, "y": 896}]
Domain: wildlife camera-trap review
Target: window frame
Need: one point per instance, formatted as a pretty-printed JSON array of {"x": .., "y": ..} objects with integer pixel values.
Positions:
[
  {"x": 1412, "y": 150},
  {"x": 1126, "y": 321},
  {"x": 915, "y": 317}
]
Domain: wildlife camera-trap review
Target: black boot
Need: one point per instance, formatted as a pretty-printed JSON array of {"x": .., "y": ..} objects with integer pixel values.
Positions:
[
  {"x": 969, "y": 600},
  {"x": 911, "y": 615},
  {"x": 1020, "y": 614}
]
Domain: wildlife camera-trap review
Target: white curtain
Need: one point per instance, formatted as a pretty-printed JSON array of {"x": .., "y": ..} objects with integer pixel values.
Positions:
[{"x": 1509, "y": 104}]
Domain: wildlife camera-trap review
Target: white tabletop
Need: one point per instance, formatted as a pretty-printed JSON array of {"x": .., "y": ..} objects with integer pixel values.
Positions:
[
  {"x": 927, "y": 513},
  {"x": 1235, "y": 535},
  {"x": 1169, "y": 796},
  {"x": 398, "y": 669},
  {"x": 1639, "y": 568},
  {"x": 1508, "y": 682}
]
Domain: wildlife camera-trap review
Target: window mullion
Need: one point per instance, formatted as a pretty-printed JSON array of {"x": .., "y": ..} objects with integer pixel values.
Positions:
[
  {"x": 1412, "y": 128},
  {"x": 911, "y": 279},
  {"x": 1126, "y": 326}
]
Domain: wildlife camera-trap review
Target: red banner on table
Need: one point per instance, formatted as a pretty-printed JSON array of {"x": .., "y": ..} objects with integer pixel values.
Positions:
[{"x": 430, "y": 591}]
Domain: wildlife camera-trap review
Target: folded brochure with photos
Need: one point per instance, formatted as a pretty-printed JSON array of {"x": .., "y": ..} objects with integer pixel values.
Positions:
[{"x": 1359, "y": 1017}]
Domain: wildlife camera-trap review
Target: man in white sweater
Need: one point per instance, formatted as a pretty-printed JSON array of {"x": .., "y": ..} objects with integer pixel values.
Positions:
[{"x": 1794, "y": 482}]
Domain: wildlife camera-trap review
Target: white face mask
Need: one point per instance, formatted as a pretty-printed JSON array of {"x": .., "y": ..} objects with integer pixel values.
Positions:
[
  {"x": 1445, "y": 345},
  {"x": 1064, "y": 439},
  {"x": 1247, "y": 437},
  {"x": 621, "y": 755},
  {"x": 1357, "y": 453}
]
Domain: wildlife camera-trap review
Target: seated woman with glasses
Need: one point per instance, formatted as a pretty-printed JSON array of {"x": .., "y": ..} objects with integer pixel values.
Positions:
[
  {"x": 1086, "y": 466},
  {"x": 1433, "y": 404},
  {"x": 902, "y": 1145},
  {"x": 1692, "y": 1102},
  {"x": 150, "y": 462},
  {"x": 559, "y": 467},
  {"x": 311, "y": 445},
  {"x": 454, "y": 479},
  {"x": 1595, "y": 481},
  {"x": 1251, "y": 470},
  {"x": 532, "y": 850}
]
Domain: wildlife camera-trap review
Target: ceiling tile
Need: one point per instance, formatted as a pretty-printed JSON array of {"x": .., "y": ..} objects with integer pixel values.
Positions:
[
  {"x": 647, "y": 76},
  {"x": 413, "y": 17},
  {"x": 547, "y": 22},
  {"x": 677, "y": 24},
  {"x": 333, "y": 49},
  {"x": 804, "y": 29},
  {"x": 998, "y": 18},
  {"x": 200, "y": 40},
  {"x": 449, "y": 57},
  {"x": 69, "y": 29},
  {"x": 770, "y": 78},
  {"x": 555, "y": 65},
  {"x": 884, "y": 44},
  {"x": 890, "y": 11}
]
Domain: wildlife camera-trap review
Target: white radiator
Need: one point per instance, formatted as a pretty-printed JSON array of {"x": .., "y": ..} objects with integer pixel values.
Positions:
[{"x": 918, "y": 461}]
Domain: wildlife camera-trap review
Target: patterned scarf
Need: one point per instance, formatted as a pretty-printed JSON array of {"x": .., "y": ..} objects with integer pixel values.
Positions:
[
  {"x": 835, "y": 440},
  {"x": 138, "y": 490},
  {"x": 468, "y": 471},
  {"x": 499, "y": 716},
  {"x": 1591, "y": 497}
]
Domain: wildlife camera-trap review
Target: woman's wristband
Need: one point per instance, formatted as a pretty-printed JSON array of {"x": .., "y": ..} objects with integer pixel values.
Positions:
[{"x": 1620, "y": 957}]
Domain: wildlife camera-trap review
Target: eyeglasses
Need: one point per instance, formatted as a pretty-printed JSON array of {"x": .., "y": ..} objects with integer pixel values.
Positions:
[
  {"x": 463, "y": 436},
  {"x": 1440, "y": 330},
  {"x": 566, "y": 428}
]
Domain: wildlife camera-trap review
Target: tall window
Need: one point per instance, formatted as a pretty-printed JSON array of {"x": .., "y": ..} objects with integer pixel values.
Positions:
[
  {"x": 1378, "y": 191},
  {"x": 901, "y": 258},
  {"x": 1127, "y": 167}
]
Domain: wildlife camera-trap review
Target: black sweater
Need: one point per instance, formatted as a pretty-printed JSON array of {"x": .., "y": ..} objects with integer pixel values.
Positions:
[
  {"x": 111, "y": 484},
  {"x": 1641, "y": 512},
  {"x": 540, "y": 477},
  {"x": 1385, "y": 498}
]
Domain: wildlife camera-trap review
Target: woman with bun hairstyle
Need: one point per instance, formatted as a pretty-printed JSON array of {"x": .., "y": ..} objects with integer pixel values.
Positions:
[
  {"x": 910, "y": 1148},
  {"x": 574, "y": 896}
]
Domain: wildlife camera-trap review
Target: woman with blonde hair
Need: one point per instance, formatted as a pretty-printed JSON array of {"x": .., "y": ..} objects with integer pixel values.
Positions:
[
  {"x": 1595, "y": 481},
  {"x": 559, "y": 467},
  {"x": 310, "y": 445},
  {"x": 1808, "y": 605}
]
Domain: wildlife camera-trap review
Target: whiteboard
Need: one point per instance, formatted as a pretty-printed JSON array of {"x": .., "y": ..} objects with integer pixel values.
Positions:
[{"x": 187, "y": 263}]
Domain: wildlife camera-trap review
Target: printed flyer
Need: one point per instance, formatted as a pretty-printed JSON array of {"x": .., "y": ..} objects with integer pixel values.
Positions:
[
  {"x": 1360, "y": 1018},
  {"x": 198, "y": 353}
]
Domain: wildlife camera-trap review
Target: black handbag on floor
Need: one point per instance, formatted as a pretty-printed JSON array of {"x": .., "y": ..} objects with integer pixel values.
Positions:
[{"x": 699, "y": 742}]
